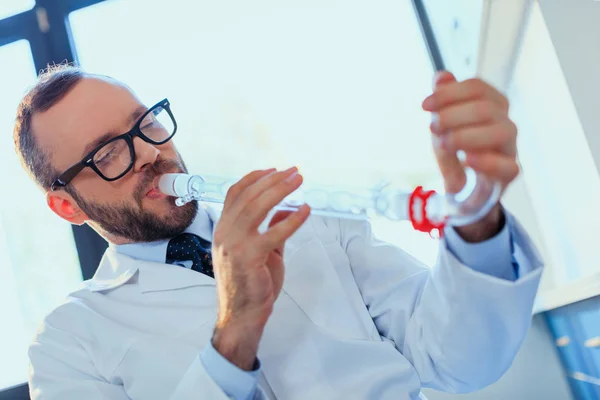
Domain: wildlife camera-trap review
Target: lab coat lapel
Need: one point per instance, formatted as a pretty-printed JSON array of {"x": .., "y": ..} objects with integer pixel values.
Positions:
[{"x": 154, "y": 277}]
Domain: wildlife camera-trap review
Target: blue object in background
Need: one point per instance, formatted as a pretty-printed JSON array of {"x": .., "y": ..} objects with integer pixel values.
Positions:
[{"x": 576, "y": 331}]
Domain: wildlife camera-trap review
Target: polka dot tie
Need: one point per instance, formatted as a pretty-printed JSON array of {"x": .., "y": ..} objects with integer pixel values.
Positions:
[{"x": 190, "y": 247}]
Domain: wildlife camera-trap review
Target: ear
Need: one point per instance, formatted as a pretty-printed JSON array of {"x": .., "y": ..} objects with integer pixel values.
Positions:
[{"x": 65, "y": 207}]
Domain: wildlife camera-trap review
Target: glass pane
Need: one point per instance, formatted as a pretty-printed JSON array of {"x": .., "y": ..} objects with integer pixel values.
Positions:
[
  {"x": 12, "y": 7},
  {"x": 456, "y": 26},
  {"x": 333, "y": 87},
  {"x": 38, "y": 261}
]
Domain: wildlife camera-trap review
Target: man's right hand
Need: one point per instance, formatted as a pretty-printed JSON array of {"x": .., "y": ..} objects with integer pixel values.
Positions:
[{"x": 248, "y": 265}]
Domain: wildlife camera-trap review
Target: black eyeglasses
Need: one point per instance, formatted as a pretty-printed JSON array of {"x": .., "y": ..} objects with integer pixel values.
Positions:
[{"x": 115, "y": 158}]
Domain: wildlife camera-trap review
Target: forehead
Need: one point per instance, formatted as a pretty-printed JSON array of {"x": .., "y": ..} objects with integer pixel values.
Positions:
[{"x": 94, "y": 106}]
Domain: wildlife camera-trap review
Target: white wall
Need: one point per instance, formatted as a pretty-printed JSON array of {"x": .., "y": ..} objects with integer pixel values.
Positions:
[
  {"x": 535, "y": 374},
  {"x": 574, "y": 27}
]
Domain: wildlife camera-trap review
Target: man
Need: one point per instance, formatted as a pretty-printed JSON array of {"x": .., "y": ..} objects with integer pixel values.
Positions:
[{"x": 304, "y": 308}]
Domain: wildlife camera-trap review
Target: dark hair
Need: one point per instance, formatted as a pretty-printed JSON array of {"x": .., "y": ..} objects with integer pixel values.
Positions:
[{"x": 52, "y": 85}]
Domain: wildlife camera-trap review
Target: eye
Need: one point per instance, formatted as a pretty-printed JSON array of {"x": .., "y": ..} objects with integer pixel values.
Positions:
[
  {"x": 107, "y": 154},
  {"x": 149, "y": 120}
]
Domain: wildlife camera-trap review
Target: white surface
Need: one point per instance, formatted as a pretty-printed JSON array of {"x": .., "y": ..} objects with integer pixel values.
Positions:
[
  {"x": 479, "y": 37},
  {"x": 558, "y": 169},
  {"x": 575, "y": 31},
  {"x": 456, "y": 25},
  {"x": 561, "y": 295},
  {"x": 500, "y": 37},
  {"x": 575, "y": 34}
]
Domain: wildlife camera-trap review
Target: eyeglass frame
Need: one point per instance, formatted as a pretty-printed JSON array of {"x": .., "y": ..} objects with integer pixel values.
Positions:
[{"x": 88, "y": 161}]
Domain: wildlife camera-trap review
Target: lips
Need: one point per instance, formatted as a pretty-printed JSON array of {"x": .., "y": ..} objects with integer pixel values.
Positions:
[
  {"x": 154, "y": 191},
  {"x": 155, "y": 194}
]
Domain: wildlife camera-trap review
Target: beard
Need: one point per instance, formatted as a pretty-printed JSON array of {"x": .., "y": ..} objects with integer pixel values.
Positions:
[{"x": 135, "y": 223}]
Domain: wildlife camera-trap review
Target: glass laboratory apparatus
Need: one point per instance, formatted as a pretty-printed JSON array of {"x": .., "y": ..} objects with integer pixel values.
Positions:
[{"x": 428, "y": 211}]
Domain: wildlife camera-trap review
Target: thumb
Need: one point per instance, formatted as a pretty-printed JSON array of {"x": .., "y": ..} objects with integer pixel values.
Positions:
[{"x": 450, "y": 167}]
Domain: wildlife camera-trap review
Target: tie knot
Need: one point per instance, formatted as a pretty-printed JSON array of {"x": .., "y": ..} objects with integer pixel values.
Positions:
[
  {"x": 190, "y": 247},
  {"x": 190, "y": 240}
]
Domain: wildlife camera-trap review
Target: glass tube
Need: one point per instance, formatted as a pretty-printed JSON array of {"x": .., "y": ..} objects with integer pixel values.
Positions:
[{"x": 474, "y": 201}]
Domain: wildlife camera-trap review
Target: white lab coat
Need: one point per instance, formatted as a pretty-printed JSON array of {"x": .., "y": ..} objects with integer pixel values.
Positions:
[{"x": 356, "y": 319}]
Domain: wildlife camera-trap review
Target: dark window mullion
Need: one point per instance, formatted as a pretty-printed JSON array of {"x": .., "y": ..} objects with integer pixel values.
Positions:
[
  {"x": 57, "y": 39},
  {"x": 428, "y": 36},
  {"x": 16, "y": 27}
]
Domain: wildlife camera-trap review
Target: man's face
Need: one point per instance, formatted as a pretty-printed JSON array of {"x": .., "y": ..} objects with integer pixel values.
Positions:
[{"x": 129, "y": 209}]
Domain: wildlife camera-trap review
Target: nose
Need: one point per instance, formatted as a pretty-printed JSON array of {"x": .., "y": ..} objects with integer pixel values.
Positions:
[{"x": 145, "y": 154}]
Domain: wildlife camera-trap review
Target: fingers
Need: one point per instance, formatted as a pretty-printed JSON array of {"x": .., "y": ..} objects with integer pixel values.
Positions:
[
  {"x": 279, "y": 216},
  {"x": 284, "y": 227},
  {"x": 500, "y": 136},
  {"x": 256, "y": 194},
  {"x": 449, "y": 92},
  {"x": 497, "y": 166},
  {"x": 450, "y": 167},
  {"x": 464, "y": 114},
  {"x": 246, "y": 181},
  {"x": 471, "y": 116},
  {"x": 256, "y": 210}
]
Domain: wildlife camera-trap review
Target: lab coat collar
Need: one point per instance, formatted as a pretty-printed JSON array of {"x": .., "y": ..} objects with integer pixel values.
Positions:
[{"x": 118, "y": 267}]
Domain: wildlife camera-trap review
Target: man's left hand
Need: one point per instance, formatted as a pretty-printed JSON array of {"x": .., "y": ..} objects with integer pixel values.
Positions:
[{"x": 473, "y": 116}]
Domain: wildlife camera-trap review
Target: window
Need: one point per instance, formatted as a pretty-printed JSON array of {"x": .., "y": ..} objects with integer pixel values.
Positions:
[
  {"x": 12, "y": 7},
  {"x": 38, "y": 263},
  {"x": 333, "y": 87}
]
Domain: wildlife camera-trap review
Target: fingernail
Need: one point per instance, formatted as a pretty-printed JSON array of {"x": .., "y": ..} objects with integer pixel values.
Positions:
[
  {"x": 428, "y": 103},
  {"x": 292, "y": 177},
  {"x": 436, "y": 77},
  {"x": 291, "y": 169}
]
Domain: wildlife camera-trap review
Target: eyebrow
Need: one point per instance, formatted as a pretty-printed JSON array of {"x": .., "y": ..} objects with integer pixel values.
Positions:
[{"x": 133, "y": 118}]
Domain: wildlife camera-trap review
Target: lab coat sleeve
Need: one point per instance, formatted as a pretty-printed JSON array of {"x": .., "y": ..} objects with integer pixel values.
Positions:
[
  {"x": 237, "y": 383},
  {"x": 197, "y": 383},
  {"x": 61, "y": 369},
  {"x": 460, "y": 328},
  {"x": 492, "y": 257}
]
